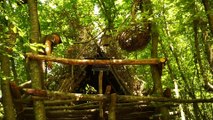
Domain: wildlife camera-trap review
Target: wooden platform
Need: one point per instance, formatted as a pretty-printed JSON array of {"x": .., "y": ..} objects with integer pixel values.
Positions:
[{"x": 76, "y": 106}]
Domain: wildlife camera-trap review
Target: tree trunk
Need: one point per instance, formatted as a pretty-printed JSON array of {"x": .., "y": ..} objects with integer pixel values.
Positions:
[
  {"x": 157, "y": 72},
  {"x": 9, "y": 111},
  {"x": 36, "y": 73},
  {"x": 208, "y": 9},
  {"x": 156, "y": 69},
  {"x": 209, "y": 51},
  {"x": 171, "y": 73},
  {"x": 187, "y": 88},
  {"x": 208, "y": 86}
]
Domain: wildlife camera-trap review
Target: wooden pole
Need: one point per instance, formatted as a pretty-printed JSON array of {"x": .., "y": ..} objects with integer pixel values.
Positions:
[
  {"x": 112, "y": 107},
  {"x": 100, "y": 83},
  {"x": 151, "y": 61},
  {"x": 43, "y": 94}
]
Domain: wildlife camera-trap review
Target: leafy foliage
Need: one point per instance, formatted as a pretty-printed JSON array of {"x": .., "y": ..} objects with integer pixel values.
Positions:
[{"x": 79, "y": 21}]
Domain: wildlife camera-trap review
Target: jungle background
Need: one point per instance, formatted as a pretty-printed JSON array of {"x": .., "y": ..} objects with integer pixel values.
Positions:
[{"x": 184, "y": 29}]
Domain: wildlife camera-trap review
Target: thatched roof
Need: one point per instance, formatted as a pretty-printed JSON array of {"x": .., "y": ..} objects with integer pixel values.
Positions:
[{"x": 84, "y": 78}]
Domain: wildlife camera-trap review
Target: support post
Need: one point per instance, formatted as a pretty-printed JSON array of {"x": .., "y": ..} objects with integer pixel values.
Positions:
[
  {"x": 100, "y": 89},
  {"x": 112, "y": 107}
]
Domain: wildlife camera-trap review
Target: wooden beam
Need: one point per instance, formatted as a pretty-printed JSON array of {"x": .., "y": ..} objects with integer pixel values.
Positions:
[
  {"x": 44, "y": 94},
  {"x": 151, "y": 61}
]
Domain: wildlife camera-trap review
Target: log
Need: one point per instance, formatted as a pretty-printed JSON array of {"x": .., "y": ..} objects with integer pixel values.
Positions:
[
  {"x": 136, "y": 116},
  {"x": 101, "y": 97},
  {"x": 57, "y": 117},
  {"x": 58, "y": 102},
  {"x": 120, "y": 107},
  {"x": 75, "y": 107},
  {"x": 125, "y": 98},
  {"x": 70, "y": 103},
  {"x": 45, "y": 94},
  {"x": 76, "y": 118},
  {"x": 151, "y": 61}
]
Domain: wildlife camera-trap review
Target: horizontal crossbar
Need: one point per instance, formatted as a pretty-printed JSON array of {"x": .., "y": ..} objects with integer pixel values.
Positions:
[{"x": 151, "y": 61}]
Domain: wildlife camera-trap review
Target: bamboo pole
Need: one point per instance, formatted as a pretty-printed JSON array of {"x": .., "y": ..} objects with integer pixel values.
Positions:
[{"x": 151, "y": 61}]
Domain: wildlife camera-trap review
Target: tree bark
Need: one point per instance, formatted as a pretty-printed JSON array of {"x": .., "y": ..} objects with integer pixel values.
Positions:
[
  {"x": 156, "y": 70},
  {"x": 171, "y": 73},
  {"x": 9, "y": 111},
  {"x": 36, "y": 73},
  {"x": 209, "y": 51},
  {"x": 208, "y": 86},
  {"x": 7, "y": 101},
  {"x": 208, "y": 9},
  {"x": 187, "y": 88}
]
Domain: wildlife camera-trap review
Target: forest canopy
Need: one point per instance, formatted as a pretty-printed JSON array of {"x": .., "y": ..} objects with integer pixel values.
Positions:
[{"x": 123, "y": 29}]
